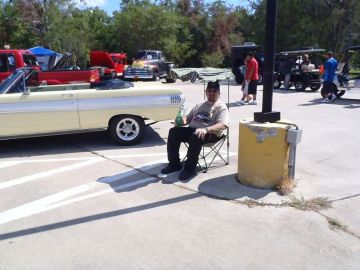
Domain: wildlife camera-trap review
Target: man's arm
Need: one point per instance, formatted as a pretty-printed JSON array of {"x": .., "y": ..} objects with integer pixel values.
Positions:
[
  {"x": 222, "y": 123},
  {"x": 215, "y": 128},
  {"x": 201, "y": 132}
]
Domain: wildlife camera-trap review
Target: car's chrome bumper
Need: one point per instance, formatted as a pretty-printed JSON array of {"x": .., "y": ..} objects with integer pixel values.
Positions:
[
  {"x": 126, "y": 76},
  {"x": 138, "y": 73}
]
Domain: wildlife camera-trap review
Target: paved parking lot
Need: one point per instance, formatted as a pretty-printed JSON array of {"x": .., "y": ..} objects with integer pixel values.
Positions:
[{"x": 81, "y": 202}]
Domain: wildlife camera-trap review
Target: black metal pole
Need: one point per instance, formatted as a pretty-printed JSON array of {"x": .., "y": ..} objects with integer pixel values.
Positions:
[{"x": 267, "y": 115}]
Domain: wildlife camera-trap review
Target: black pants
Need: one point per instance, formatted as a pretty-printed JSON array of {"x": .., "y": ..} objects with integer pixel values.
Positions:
[
  {"x": 252, "y": 87},
  {"x": 177, "y": 135},
  {"x": 328, "y": 88}
]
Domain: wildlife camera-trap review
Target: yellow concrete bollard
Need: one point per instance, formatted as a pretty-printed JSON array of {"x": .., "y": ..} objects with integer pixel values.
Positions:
[{"x": 263, "y": 154}]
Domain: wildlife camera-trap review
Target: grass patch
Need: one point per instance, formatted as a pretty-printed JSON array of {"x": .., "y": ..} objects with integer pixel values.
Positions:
[
  {"x": 335, "y": 224},
  {"x": 286, "y": 186},
  {"x": 315, "y": 204},
  {"x": 252, "y": 203}
]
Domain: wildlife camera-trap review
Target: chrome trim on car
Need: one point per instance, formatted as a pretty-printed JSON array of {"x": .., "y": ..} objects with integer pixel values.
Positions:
[
  {"x": 138, "y": 76},
  {"x": 138, "y": 73},
  {"x": 126, "y": 102},
  {"x": 38, "y": 106},
  {"x": 32, "y": 135},
  {"x": 176, "y": 99}
]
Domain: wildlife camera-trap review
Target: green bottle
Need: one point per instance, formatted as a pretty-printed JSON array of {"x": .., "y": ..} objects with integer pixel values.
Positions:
[{"x": 178, "y": 119}]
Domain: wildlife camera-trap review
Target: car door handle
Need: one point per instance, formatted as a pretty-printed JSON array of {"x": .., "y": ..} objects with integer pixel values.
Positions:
[{"x": 68, "y": 95}]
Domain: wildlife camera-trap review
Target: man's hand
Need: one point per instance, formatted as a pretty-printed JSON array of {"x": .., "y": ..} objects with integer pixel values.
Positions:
[
  {"x": 201, "y": 132},
  {"x": 184, "y": 119}
]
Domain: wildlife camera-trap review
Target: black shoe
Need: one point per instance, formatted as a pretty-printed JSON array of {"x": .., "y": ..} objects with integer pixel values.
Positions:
[
  {"x": 186, "y": 175},
  {"x": 170, "y": 168}
]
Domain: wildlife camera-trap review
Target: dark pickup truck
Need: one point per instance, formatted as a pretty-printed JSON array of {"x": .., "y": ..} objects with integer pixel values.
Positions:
[{"x": 149, "y": 65}]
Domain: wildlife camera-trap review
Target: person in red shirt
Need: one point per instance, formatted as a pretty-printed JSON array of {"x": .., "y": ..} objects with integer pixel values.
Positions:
[{"x": 249, "y": 86}]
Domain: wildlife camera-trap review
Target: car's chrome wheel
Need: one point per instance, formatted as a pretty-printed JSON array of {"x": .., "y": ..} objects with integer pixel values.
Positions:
[
  {"x": 127, "y": 129},
  {"x": 315, "y": 86},
  {"x": 276, "y": 84},
  {"x": 299, "y": 86}
]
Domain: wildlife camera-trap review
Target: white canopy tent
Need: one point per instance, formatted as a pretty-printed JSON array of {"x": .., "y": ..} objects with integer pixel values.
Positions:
[{"x": 202, "y": 74}]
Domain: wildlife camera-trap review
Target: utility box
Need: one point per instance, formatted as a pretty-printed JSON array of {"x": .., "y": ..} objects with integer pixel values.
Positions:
[
  {"x": 263, "y": 157},
  {"x": 294, "y": 136}
]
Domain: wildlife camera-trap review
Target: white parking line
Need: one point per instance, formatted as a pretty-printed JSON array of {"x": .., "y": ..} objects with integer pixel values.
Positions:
[
  {"x": 56, "y": 159},
  {"x": 49, "y": 203},
  {"x": 5, "y": 164},
  {"x": 57, "y": 200},
  {"x": 139, "y": 155},
  {"x": 36, "y": 176}
]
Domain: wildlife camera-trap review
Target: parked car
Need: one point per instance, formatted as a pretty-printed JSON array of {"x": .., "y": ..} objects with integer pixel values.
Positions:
[
  {"x": 28, "y": 109},
  {"x": 114, "y": 63},
  {"x": 10, "y": 60},
  {"x": 149, "y": 65},
  {"x": 59, "y": 74},
  {"x": 301, "y": 77},
  {"x": 238, "y": 54}
]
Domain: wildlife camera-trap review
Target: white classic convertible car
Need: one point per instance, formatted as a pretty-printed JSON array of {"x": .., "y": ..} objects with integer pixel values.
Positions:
[{"x": 31, "y": 110}]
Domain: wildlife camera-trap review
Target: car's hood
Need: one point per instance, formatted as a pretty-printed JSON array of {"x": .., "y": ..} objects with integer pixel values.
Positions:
[
  {"x": 142, "y": 63},
  {"x": 101, "y": 58}
]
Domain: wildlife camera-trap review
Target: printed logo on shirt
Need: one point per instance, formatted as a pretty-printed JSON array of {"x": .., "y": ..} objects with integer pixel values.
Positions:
[{"x": 203, "y": 117}]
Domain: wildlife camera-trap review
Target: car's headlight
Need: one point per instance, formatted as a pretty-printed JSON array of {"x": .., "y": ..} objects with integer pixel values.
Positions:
[{"x": 150, "y": 67}]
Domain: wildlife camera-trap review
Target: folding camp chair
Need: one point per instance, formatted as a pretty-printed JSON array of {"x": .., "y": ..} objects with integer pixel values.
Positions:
[{"x": 211, "y": 151}]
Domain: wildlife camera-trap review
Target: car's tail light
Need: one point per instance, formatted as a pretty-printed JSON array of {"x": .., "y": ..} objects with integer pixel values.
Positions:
[{"x": 94, "y": 77}]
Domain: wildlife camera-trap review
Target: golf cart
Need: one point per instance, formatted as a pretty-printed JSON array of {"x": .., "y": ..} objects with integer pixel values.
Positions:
[
  {"x": 238, "y": 54},
  {"x": 347, "y": 72},
  {"x": 303, "y": 74}
]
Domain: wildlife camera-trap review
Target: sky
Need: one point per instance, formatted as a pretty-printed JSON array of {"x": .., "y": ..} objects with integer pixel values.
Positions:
[{"x": 110, "y": 5}]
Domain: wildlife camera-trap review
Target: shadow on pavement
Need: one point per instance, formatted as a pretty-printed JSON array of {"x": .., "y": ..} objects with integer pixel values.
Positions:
[
  {"x": 227, "y": 187},
  {"x": 134, "y": 178},
  {"x": 290, "y": 91},
  {"x": 90, "y": 218},
  {"x": 74, "y": 143},
  {"x": 233, "y": 104},
  {"x": 348, "y": 103},
  {"x": 123, "y": 182}
]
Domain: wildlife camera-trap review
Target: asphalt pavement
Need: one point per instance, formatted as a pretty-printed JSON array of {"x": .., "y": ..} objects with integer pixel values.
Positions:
[{"x": 82, "y": 202}]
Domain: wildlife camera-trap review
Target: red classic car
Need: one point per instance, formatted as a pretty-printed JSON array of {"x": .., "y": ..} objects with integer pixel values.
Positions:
[
  {"x": 10, "y": 60},
  {"x": 115, "y": 63}
]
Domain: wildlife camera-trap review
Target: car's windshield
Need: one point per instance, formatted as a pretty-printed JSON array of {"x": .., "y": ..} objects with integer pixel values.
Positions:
[
  {"x": 114, "y": 58},
  {"x": 9, "y": 80},
  {"x": 117, "y": 59},
  {"x": 30, "y": 60},
  {"x": 147, "y": 55}
]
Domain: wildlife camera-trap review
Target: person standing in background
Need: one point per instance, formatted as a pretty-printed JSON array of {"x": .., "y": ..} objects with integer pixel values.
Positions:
[
  {"x": 329, "y": 87},
  {"x": 249, "y": 86},
  {"x": 285, "y": 69}
]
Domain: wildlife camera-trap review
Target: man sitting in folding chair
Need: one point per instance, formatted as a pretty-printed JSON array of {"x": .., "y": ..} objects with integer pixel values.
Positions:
[{"x": 207, "y": 121}]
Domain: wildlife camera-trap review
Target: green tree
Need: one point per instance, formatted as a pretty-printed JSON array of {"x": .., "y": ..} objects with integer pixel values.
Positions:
[
  {"x": 13, "y": 29},
  {"x": 149, "y": 26}
]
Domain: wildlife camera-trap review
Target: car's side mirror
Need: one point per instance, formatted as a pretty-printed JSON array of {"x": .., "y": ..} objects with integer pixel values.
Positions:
[{"x": 26, "y": 91}]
